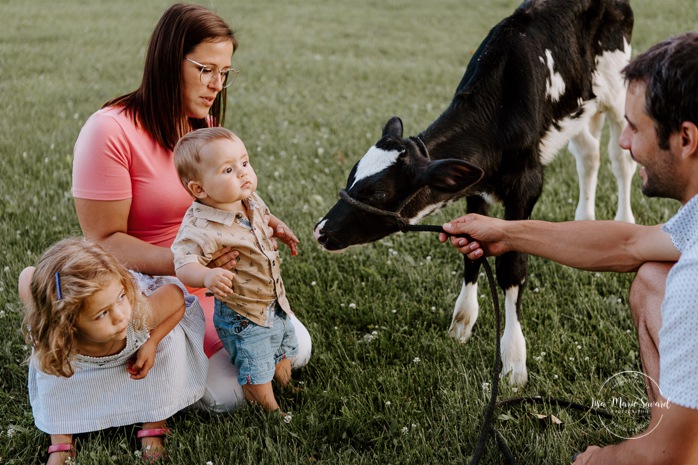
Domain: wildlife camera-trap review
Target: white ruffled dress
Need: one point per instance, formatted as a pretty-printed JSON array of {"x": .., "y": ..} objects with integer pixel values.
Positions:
[{"x": 101, "y": 393}]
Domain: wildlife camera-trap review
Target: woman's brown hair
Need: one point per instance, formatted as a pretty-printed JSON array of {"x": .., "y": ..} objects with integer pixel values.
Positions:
[
  {"x": 67, "y": 274},
  {"x": 157, "y": 103}
]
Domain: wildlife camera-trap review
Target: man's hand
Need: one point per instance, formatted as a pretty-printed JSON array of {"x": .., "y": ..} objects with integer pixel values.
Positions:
[
  {"x": 487, "y": 234},
  {"x": 219, "y": 281},
  {"x": 585, "y": 457}
]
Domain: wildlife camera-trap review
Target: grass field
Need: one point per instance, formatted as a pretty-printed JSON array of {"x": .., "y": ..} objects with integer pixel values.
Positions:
[{"x": 318, "y": 79}]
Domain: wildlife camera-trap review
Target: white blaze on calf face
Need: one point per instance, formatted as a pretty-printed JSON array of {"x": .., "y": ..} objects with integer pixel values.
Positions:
[
  {"x": 554, "y": 84},
  {"x": 375, "y": 161}
]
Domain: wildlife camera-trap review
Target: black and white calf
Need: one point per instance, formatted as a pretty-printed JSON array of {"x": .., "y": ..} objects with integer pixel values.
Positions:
[{"x": 542, "y": 77}]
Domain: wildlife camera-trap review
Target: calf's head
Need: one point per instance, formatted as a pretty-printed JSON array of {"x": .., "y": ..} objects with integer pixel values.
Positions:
[{"x": 396, "y": 175}]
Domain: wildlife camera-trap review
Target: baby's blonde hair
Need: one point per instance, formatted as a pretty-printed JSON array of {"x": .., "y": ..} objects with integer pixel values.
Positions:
[
  {"x": 80, "y": 268},
  {"x": 187, "y": 152}
]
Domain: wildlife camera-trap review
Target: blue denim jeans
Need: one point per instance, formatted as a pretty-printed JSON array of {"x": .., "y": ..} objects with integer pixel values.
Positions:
[{"x": 255, "y": 350}]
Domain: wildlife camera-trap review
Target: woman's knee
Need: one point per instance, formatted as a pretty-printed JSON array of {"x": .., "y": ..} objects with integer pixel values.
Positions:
[
  {"x": 223, "y": 392},
  {"x": 305, "y": 344}
]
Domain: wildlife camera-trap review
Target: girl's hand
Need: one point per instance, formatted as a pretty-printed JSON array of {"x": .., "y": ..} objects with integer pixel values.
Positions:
[
  {"x": 285, "y": 235},
  {"x": 225, "y": 258},
  {"x": 139, "y": 365}
]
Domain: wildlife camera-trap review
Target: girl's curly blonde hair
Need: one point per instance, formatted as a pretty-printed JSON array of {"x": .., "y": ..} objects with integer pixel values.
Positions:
[{"x": 82, "y": 268}]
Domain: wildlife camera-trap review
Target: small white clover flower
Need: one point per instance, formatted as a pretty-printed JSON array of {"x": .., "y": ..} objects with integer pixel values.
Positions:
[
  {"x": 554, "y": 376},
  {"x": 417, "y": 360},
  {"x": 387, "y": 404},
  {"x": 209, "y": 463},
  {"x": 405, "y": 430},
  {"x": 11, "y": 432},
  {"x": 288, "y": 417},
  {"x": 352, "y": 305}
]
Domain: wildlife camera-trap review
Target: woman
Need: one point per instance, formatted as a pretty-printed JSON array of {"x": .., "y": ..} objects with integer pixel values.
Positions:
[{"x": 128, "y": 197}]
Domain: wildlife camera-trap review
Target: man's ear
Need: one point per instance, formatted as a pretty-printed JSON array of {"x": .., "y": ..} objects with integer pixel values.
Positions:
[
  {"x": 196, "y": 189},
  {"x": 689, "y": 139}
]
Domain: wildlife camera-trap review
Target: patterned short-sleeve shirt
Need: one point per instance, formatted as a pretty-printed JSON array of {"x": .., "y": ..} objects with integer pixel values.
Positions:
[
  {"x": 678, "y": 336},
  {"x": 257, "y": 283}
]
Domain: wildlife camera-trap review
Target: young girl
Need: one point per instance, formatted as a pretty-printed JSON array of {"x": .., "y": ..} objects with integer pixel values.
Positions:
[{"x": 103, "y": 353}]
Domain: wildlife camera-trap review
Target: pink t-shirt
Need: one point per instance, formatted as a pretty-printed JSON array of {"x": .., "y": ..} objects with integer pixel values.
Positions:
[{"x": 116, "y": 160}]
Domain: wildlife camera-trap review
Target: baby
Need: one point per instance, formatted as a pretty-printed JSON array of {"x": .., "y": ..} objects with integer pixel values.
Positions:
[{"x": 251, "y": 310}]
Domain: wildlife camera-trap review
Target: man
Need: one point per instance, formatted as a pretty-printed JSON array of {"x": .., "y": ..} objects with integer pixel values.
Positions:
[{"x": 661, "y": 110}]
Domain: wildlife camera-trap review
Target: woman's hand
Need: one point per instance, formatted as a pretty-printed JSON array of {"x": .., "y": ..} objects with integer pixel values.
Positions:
[
  {"x": 285, "y": 235},
  {"x": 225, "y": 258},
  {"x": 279, "y": 230}
]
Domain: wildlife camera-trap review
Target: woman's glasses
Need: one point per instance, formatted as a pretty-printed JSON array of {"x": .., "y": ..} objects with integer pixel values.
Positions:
[{"x": 208, "y": 73}]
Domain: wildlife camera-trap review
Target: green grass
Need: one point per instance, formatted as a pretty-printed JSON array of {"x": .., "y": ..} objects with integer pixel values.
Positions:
[{"x": 317, "y": 82}]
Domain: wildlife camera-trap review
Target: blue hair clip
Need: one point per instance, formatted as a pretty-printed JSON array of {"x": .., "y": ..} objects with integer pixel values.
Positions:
[{"x": 58, "y": 286}]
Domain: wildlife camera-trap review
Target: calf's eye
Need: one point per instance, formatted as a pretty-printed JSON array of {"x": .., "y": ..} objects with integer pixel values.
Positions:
[{"x": 380, "y": 196}]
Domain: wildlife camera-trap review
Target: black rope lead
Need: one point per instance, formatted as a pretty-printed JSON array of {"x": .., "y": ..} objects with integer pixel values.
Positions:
[{"x": 487, "y": 430}]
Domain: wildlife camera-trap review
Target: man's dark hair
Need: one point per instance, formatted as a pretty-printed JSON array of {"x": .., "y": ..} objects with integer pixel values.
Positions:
[{"x": 670, "y": 70}]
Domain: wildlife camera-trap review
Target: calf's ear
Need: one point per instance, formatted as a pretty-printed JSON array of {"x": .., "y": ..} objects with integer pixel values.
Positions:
[
  {"x": 450, "y": 175},
  {"x": 393, "y": 128}
]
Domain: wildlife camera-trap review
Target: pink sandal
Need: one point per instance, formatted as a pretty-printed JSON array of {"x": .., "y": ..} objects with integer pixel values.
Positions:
[
  {"x": 65, "y": 447},
  {"x": 149, "y": 433}
]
